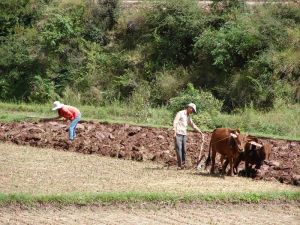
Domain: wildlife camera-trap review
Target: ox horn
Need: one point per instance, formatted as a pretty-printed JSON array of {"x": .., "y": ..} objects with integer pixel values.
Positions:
[
  {"x": 256, "y": 144},
  {"x": 233, "y": 135}
]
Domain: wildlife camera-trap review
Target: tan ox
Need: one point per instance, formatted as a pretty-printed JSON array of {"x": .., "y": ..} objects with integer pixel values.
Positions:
[{"x": 227, "y": 142}]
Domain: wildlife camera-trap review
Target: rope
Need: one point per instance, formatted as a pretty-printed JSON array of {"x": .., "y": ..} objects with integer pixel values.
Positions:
[{"x": 201, "y": 149}]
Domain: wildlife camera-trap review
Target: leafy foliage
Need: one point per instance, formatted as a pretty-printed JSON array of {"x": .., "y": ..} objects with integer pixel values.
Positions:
[
  {"x": 91, "y": 52},
  {"x": 205, "y": 101}
]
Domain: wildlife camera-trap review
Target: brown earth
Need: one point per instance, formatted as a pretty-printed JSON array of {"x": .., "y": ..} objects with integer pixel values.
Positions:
[{"x": 143, "y": 143}]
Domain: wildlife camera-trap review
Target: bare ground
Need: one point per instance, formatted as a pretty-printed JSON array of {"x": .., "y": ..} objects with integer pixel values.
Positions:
[
  {"x": 209, "y": 213},
  {"x": 142, "y": 144},
  {"x": 46, "y": 171}
]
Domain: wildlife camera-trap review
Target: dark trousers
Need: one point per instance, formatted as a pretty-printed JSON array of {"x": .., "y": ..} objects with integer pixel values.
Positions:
[{"x": 180, "y": 145}]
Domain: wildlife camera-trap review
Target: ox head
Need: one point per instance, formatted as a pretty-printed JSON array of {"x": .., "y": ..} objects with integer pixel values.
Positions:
[
  {"x": 263, "y": 149},
  {"x": 255, "y": 145},
  {"x": 252, "y": 143},
  {"x": 237, "y": 140}
]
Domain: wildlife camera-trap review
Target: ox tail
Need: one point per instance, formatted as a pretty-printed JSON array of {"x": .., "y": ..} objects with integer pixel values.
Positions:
[{"x": 208, "y": 160}]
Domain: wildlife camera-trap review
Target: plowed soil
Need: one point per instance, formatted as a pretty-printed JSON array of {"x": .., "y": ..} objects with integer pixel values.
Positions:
[{"x": 142, "y": 144}]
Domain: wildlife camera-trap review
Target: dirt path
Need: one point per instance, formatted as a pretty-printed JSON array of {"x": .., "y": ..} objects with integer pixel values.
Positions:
[
  {"x": 267, "y": 214},
  {"x": 45, "y": 171},
  {"x": 141, "y": 144}
]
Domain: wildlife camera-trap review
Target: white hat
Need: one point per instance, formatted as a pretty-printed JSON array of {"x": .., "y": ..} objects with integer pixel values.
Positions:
[
  {"x": 57, "y": 105},
  {"x": 193, "y": 106}
]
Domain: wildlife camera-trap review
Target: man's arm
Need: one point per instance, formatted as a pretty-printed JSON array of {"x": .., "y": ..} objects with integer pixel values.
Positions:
[
  {"x": 193, "y": 125},
  {"x": 202, "y": 138},
  {"x": 69, "y": 114}
]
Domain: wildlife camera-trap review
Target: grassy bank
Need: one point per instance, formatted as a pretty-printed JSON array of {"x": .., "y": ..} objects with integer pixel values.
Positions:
[
  {"x": 281, "y": 122},
  {"x": 114, "y": 113},
  {"x": 131, "y": 197}
]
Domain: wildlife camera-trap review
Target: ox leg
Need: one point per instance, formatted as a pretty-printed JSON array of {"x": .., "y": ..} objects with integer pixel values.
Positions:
[
  {"x": 213, "y": 160},
  {"x": 222, "y": 160},
  {"x": 225, "y": 166},
  {"x": 258, "y": 166},
  {"x": 230, "y": 172},
  {"x": 247, "y": 168},
  {"x": 236, "y": 164}
]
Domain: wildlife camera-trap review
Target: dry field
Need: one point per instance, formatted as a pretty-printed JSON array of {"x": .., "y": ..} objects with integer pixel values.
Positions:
[
  {"x": 47, "y": 171},
  {"x": 210, "y": 213}
]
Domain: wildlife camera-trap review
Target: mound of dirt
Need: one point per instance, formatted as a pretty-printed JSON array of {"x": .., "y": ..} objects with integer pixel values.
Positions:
[{"x": 143, "y": 143}]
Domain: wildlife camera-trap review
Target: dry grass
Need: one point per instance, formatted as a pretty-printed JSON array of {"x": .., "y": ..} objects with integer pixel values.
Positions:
[
  {"x": 46, "y": 171},
  {"x": 267, "y": 214}
]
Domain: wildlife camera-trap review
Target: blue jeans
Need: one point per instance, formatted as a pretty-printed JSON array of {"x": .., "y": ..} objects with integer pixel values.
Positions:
[{"x": 72, "y": 128}]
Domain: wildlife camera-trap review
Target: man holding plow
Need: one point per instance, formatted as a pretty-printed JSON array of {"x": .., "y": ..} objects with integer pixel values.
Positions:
[{"x": 181, "y": 121}]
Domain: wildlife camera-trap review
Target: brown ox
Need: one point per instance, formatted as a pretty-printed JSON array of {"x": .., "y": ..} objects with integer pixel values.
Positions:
[
  {"x": 228, "y": 142},
  {"x": 256, "y": 152}
]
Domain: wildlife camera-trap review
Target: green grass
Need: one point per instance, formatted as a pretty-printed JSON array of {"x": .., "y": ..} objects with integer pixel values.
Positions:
[
  {"x": 114, "y": 113},
  {"x": 131, "y": 197},
  {"x": 282, "y": 122}
]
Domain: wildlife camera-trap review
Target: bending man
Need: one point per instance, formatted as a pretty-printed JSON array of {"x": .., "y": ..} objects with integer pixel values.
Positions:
[{"x": 70, "y": 113}]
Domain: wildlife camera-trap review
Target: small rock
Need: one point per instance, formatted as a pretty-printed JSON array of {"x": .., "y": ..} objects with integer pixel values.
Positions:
[
  {"x": 111, "y": 136},
  {"x": 36, "y": 130},
  {"x": 294, "y": 144},
  {"x": 285, "y": 148},
  {"x": 260, "y": 173},
  {"x": 264, "y": 167},
  {"x": 160, "y": 137},
  {"x": 121, "y": 154},
  {"x": 53, "y": 123},
  {"x": 273, "y": 163},
  {"x": 2, "y": 137},
  {"x": 135, "y": 148},
  {"x": 149, "y": 156},
  {"x": 80, "y": 127},
  {"x": 99, "y": 135},
  {"x": 296, "y": 177}
]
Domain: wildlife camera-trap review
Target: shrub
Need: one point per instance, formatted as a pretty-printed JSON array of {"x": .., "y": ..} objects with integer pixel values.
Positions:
[
  {"x": 168, "y": 83},
  {"x": 205, "y": 101},
  {"x": 100, "y": 16},
  {"x": 42, "y": 90},
  {"x": 239, "y": 40},
  {"x": 139, "y": 102},
  {"x": 169, "y": 31},
  {"x": 204, "y": 120}
]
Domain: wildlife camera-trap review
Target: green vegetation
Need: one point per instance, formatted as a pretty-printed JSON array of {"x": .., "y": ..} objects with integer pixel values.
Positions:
[
  {"x": 116, "y": 112},
  {"x": 142, "y": 65},
  {"x": 278, "y": 123},
  {"x": 130, "y": 197}
]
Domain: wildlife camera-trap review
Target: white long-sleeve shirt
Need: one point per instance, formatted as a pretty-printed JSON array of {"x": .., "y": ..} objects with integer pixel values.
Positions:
[{"x": 181, "y": 121}]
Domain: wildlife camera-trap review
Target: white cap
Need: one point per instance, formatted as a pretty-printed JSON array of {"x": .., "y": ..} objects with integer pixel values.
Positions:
[
  {"x": 57, "y": 105},
  {"x": 193, "y": 106}
]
